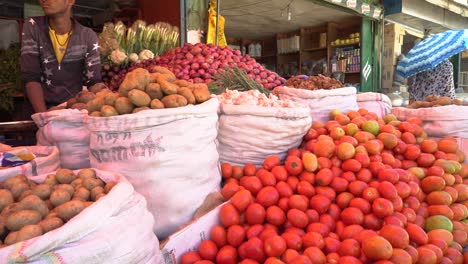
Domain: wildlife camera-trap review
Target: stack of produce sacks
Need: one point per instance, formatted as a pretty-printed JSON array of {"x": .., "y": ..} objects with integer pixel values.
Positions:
[
  {"x": 160, "y": 132},
  {"x": 441, "y": 117},
  {"x": 46, "y": 159},
  {"x": 321, "y": 102},
  {"x": 253, "y": 125},
  {"x": 375, "y": 102},
  {"x": 85, "y": 216},
  {"x": 65, "y": 129}
]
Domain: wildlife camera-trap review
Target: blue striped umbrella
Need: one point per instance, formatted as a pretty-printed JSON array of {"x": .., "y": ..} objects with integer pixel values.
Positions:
[{"x": 430, "y": 52}]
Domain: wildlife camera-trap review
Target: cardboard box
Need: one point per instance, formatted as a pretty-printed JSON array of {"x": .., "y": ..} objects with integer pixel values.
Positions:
[
  {"x": 188, "y": 238},
  {"x": 391, "y": 53}
]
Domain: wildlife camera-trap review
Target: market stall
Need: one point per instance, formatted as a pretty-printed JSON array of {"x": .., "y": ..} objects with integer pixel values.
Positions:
[{"x": 198, "y": 154}]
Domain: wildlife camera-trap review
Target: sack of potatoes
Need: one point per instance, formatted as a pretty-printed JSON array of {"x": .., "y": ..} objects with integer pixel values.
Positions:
[{"x": 142, "y": 90}]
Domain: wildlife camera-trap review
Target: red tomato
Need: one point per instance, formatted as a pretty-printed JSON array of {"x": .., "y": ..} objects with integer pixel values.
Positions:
[
  {"x": 274, "y": 246},
  {"x": 208, "y": 249},
  {"x": 235, "y": 235},
  {"x": 293, "y": 165},
  {"x": 255, "y": 214},
  {"x": 218, "y": 235},
  {"x": 227, "y": 255}
]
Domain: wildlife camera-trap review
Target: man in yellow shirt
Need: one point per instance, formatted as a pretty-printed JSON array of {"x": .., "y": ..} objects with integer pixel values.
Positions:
[{"x": 58, "y": 56}]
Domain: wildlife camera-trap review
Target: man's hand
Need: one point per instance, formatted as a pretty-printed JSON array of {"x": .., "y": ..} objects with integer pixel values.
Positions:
[
  {"x": 97, "y": 87},
  {"x": 36, "y": 96}
]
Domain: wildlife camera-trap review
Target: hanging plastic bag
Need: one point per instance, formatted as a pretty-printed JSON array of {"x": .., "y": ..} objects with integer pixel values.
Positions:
[{"x": 211, "y": 35}]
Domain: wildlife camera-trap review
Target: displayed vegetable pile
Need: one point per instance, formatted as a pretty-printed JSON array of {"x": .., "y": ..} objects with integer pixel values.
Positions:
[
  {"x": 358, "y": 190},
  {"x": 29, "y": 209},
  {"x": 435, "y": 101},
  {"x": 199, "y": 63},
  {"x": 120, "y": 45},
  {"x": 254, "y": 97},
  {"x": 142, "y": 90},
  {"x": 313, "y": 82}
]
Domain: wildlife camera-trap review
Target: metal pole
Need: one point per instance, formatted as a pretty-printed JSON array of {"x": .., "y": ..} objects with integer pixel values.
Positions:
[
  {"x": 217, "y": 22},
  {"x": 183, "y": 22}
]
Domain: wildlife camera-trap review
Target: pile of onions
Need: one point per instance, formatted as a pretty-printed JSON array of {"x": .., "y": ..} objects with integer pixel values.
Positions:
[
  {"x": 199, "y": 63},
  {"x": 254, "y": 97}
]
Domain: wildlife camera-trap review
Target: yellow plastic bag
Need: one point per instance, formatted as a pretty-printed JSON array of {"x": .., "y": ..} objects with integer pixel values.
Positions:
[{"x": 211, "y": 35}]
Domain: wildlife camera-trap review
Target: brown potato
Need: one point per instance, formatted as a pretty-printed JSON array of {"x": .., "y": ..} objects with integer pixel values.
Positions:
[
  {"x": 182, "y": 83},
  {"x": 108, "y": 110},
  {"x": 103, "y": 92},
  {"x": 168, "y": 88},
  {"x": 6, "y": 198},
  {"x": 3, "y": 229},
  {"x": 69, "y": 209},
  {"x": 50, "y": 223},
  {"x": 95, "y": 104},
  {"x": 82, "y": 193},
  {"x": 65, "y": 176},
  {"x": 92, "y": 183},
  {"x": 66, "y": 187},
  {"x": 201, "y": 93},
  {"x": 154, "y": 91},
  {"x": 96, "y": 114},
  {"x": 33, "y": 202},
  {"x": 18, "y": 190},
  {"x": 88, "y": 203},
  {"x": 9, "y": 209},
  {"x": 109, "y": 186},
  {"x": 50, "y": 180},
  {"x": 49, "y": 204},
  {"x": 85, "y": 96},
  {"x": 99, "y": 196},
  {"x": 187, "y": 93},
  {"x": 17, "y": 220},
  {"x": 11, "y": 238},
  {"x": 87, "y": 173},
  {"x": 163, "y": 70},
  {"x": 76, "y": 183},
  {"x": 109, "y": 98},
  {"x": 28, "y": 232},
  {"x": 59, "y": 196},
  {"x": 42, "y": 190},
  {"x": 52, "y": 214},
  {"x": 139, "y": 109},
  {"x": 136, "y": 79},
  {"x": 139, "y": 98},
  {"x": 173, "y": 101},
  {"x": 71, "y": 102},
  {"x": 123, "y": 105},
  {"x": 156, "y": 104},
  {"x": 24, "y": 194},
  {"x": 96, "y": 191},
  {"x": 79, "y": 106},
  {"x": 10, "y": 182}
]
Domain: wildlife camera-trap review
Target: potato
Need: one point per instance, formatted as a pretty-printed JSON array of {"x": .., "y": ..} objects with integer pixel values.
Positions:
[
  {"x": 50, "y": 224},
  {"x": 82, "y": 193},
  {"x": 11, "y": 238},
  {"x": 69, "y": 209},
  {"x": 123, "y": 105},
  {"x": 88, "y": 203},
  {"x": 107, "y": 110},
  {"x": 42, "y": 191},
  {"x": 50, "y": 180},
  {"x": 87, "y": 173},
  {"x": 187, "y": 93},
  {"x": 109, "y": 98},
  {"x": 79, "y": 106},
  {"x": 10, "y": 182},
  {"x": 167, "y": 88},
  {"x": 153, "y": 77},
  {"x": 65, "y": 176},
  {"x": 154, "y": 91},
  {"x": 156, "y": 104},
  {"x": 174, "y": 100},
  {"x": 85, "y": 96},
  {"x": 165, "y": 71},
  {"x": 24, "y": 194},
  {"x": 96, "y": 114},
  {"x": 109, "y": 186},
  {"x": 92, "y": 183},
  {"x": 28, "y": 232},
  {"x": 103, "y": 92},
  {"x": 17, "y": 220},
  {"x": 99, "y": 196},
  {"x": 95, "y": 104},
  {"x": 31, "y": 184},
  {"x": 76, "y": 183},
  {"x": 136, "y": 79},
  {"x": 96, "y": 191},
  {"x": 18, "y": 190},
  {"x": 6, "y": 198},
  {"x": 67, "y": 187},
  {"x": 139, "y": 109},
  {"x": 59, "y": 196},
  {"x": 9, "y": 209},
  {"x": 182, "y": 83},
  {"x": 201, "y": 93},
  {"x": 71, "y": 102},
  {"x": 3, "y": 229},
  {"x": 49, "y": 204},
  {"x": 52, "y": 214},
  {"x": 33, "y": 202},
  {"x": 139, "y": 98}
]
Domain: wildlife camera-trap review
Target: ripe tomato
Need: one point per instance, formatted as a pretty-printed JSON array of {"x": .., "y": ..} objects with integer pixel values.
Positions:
[
  {"x": 251, "y": 183},
  {"x": 267, "y": 196},
  {"x": 241, "y": 200},
  {"x": 208, "y": 249},
  {"x": 190, "y": 258},
  {"x": 324, "y": 177},
  {"x": 267, "y": 178},
  {"x": 293, "y": 165},
  {"x": 250, "y": 169},
  {"x": 235, "y": 235},
  {"x": 305, "y": 188},
  {"x": 237, "y": 172},
  {"x": 293, "y": 241},
  {"x": 298, "y": 201},
  {"x": 229, "y": 189},
  {"x": 350, "y": 247},
  {"x": 218, "y": 235},
  {"x": 275, "y": 215},
  {"x": 382, "y": 207},
  {"x": 226, "y": 170},
  {"x": 255, "y": 214},
  {"x": 274, "y": 246},
  {"x": 271, "y": 161},
  {"x": 227, "y": 255},
  {"x": 313, "y": 239},
  {"x": 319, "y": 203},
  {"x": 229, "y": 215},
  {"x": 297, "y": 218},
  {"x": 280, "y": 173},
  {"x": 284, "y": 189}
]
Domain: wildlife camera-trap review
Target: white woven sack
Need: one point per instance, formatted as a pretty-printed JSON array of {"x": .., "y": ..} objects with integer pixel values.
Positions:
[
  {"x": 66, "y": 130},
  {"x": 169, "y": 155},
  {"x": 375, "y": 102},
  {"x": 248, "y": 134},
  {"x": 321, "y": 102},
  {"x": 115, "y": 229},
  {"x": 449, "y": 120},
  {"x": 47, "y": 160}
]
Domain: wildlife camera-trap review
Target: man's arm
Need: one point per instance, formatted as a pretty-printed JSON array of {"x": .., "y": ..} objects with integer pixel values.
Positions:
[
  {"x": 30, "y": 66},
  {"x": 93, "y": 61},
  {"x": 36, "y": 96}
]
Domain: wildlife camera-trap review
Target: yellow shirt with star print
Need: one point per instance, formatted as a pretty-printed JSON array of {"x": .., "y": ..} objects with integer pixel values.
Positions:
[{"x": 57, "y": 40}]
